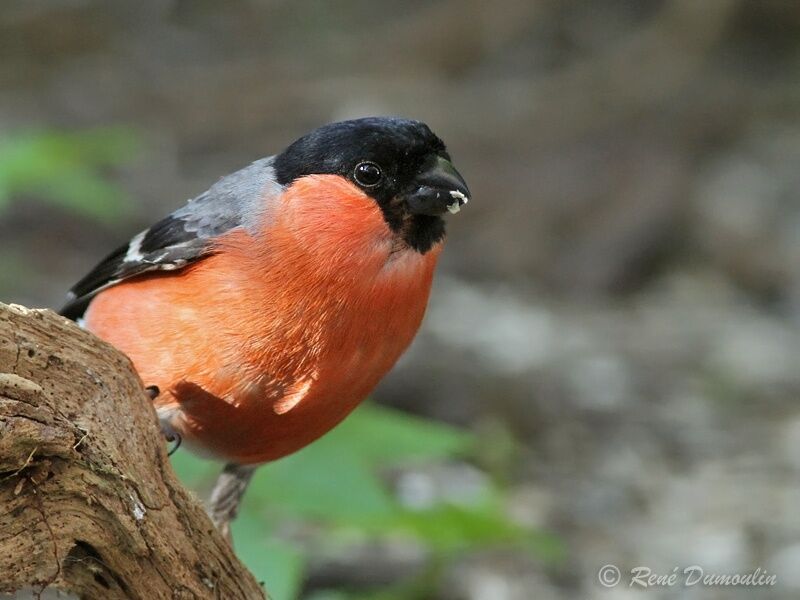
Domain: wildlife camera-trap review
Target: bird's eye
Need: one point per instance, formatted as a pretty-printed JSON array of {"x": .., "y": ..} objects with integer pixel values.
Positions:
[{"x": 368, "y": 174}]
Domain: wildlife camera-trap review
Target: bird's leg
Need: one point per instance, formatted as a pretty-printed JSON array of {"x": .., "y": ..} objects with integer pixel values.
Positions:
[
  {"x": 223, "y": 506},
  {"x": 167, "y": 430}
]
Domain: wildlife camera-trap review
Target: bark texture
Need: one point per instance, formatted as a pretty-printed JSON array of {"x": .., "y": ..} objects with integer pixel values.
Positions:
[{"x": 89, "y": 504}]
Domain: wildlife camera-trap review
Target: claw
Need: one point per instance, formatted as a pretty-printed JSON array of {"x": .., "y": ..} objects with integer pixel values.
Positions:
[
  {"x": 170, "y": 434},
  {"x": 176, "y": 437}
]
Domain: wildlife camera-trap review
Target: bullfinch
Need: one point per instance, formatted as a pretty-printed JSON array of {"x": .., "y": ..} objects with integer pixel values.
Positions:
[{"x": 264, "y": 310}]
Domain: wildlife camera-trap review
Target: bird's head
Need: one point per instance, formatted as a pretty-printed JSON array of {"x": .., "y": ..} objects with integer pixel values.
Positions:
[{"x": 399, "y": 163}]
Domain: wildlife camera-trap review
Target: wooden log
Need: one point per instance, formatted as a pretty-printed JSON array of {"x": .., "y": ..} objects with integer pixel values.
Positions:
[{"x": 89, "y": 504}]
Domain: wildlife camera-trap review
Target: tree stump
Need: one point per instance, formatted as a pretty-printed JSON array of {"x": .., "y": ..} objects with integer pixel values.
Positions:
[{"x": 89, "y": 504}]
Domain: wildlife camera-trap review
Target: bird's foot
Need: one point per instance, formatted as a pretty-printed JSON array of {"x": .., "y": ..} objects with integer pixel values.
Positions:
[
  {"x": 171, "y": 436},
  {"x": 168, "y": 431}
]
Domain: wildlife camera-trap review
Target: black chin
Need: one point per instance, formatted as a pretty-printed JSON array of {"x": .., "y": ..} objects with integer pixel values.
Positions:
[
  {"x": 418, "y": 232},
  {"x": 422, "y": 232}
]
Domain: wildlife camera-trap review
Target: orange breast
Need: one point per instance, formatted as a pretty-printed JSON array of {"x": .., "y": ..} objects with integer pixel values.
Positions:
[{"x": 266, "y": 345}]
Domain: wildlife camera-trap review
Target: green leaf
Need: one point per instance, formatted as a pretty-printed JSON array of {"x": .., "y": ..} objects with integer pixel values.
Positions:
[
  {"x": 278, "y": 564},
  {"x": 386, "y": 436},
  {"x": 336, "y": 478},
  {"x": 195, "y": 473},
  {"x": 449, "y": 529},
  {"x": 66, "y": 169},
  {"x": 330, "y": 482}
]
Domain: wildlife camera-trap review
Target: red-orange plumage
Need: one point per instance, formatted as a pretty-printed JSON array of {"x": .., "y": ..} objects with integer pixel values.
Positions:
[{"x": 270, "y": 342}]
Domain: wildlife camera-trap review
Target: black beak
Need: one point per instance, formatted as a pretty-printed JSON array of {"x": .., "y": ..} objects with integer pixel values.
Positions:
[{"x": 437, "y": 189}]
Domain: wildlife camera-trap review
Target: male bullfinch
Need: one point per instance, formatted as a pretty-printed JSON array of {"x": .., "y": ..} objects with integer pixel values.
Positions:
[{"x": 267, "y": 308}]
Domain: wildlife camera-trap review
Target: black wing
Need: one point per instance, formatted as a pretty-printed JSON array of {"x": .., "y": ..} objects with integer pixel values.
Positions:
[{"x": 185, "y": 236}]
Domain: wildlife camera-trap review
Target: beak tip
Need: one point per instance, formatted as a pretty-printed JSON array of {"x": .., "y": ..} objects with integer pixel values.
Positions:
[
  {"x": 460, "y": 196},
  {"x": 438, "y": 189},
  {"x": 459, "y": 199}
]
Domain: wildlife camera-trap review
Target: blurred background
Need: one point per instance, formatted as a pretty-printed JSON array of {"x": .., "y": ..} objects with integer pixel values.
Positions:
[{"x": 609, "y": 371}]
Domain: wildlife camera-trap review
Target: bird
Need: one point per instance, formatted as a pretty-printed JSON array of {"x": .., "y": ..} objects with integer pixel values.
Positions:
[{"x": 262, "y": 312}]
